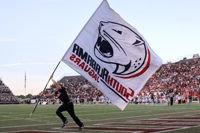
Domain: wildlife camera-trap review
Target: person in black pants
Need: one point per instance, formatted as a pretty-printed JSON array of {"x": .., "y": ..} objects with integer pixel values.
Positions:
[
  {"x": 171, "y": 97},
  {"x": 67, "y": 104}
]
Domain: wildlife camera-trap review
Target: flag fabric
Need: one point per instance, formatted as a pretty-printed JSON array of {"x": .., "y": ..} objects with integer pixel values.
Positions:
[{"x": 113, "y": 56}]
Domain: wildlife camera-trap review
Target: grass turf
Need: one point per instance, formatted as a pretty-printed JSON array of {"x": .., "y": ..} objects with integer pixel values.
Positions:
[{"x": 16, "y": 117}]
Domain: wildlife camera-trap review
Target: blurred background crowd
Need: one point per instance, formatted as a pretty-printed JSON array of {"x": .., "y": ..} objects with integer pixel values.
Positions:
[{"x": 179, "y": 81}]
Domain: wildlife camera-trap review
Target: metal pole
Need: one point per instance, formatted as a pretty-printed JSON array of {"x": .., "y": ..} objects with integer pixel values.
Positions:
[
  {"x": 45, "y": 87},
  {"x": 25, "y": 83}
]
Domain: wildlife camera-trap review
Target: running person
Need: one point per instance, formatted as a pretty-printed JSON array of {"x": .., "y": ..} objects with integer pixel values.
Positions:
[{"x": 67, "y": 104}]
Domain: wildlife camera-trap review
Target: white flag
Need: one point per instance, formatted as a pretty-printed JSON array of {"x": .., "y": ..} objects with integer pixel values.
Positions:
[{"x": 113, "y": 56}]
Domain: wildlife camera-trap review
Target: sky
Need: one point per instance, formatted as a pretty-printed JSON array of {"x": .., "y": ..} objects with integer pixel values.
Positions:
[{"x": 35, "y": 34}]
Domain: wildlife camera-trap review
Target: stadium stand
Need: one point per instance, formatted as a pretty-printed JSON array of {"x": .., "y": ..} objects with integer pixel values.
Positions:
[
  {"x": 180, "y": 80},
  {"x": 182, "y": 77},
  {"x": 6, "y": 96},
  {"x": 79, "y": 90}
]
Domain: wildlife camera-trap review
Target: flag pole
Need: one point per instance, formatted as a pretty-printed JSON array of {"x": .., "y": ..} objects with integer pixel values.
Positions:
[
  {"x": 64, "y": 56},
  {"x": 37, "y": 102}
]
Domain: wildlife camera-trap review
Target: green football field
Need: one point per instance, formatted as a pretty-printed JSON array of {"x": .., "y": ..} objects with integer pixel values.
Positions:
[{"x": 103, "y": 119}]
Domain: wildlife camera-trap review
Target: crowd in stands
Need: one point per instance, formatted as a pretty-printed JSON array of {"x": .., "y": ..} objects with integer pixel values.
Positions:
[
  {"x": 6, "y": 96},
  {"x": 179, "y": 81},
  {"x": 183, "y": 78},
  {"x": 79, "y": 90}
]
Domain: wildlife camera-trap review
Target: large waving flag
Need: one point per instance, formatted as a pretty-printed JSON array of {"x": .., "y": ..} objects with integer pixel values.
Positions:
[{"x": 113, "y": 56}]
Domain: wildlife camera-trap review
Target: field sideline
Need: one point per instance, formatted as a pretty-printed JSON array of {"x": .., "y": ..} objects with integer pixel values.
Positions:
[{"x": 103, "y": 119}]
